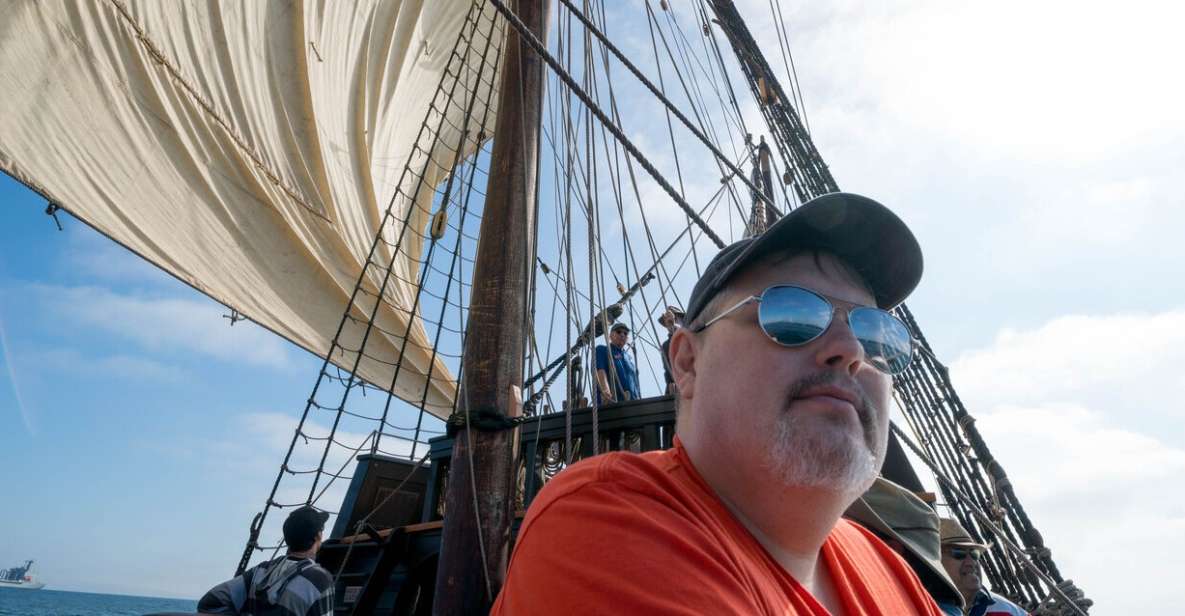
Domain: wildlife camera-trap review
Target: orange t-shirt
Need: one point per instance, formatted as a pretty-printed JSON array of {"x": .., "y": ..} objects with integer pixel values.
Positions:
[{"x": 643, "y": 533}]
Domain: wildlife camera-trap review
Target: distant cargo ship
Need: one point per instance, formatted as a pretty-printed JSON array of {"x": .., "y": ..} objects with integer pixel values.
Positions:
[{"x": 19, "y": 577}]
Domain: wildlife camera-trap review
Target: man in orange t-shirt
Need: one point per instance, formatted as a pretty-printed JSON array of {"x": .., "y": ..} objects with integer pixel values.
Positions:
[{"x": 784, "y": 378}]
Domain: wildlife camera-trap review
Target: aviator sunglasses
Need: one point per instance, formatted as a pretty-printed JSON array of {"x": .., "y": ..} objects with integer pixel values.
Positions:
[
  {"x": 962, "y": 553},
  {"x": 793, "y": 316}
]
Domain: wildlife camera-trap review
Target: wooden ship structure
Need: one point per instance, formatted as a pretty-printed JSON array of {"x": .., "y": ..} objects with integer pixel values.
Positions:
[{"x": 507, "y": 217}]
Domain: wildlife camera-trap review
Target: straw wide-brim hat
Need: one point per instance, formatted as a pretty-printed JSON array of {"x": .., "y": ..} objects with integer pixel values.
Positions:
[
  {"x": 954, "y": 534},
  {"x": 893, "y": 511}
]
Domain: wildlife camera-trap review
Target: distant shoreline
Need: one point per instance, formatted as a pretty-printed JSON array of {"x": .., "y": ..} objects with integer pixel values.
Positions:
[{"x": 50, "y": 589}]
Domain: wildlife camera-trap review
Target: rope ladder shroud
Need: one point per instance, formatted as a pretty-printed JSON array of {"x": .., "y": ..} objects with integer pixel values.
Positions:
[{"x": 427, "y": 142}]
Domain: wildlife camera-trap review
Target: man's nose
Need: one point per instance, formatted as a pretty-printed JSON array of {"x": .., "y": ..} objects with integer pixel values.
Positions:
[{"x": 838, "y": 347}]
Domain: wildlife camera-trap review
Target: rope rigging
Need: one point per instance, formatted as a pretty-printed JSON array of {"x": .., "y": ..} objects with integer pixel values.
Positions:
[
  {"x": 929, "y": 398},
  {"x": 455, "y": 94},
  {"x": 420, "y": 262}
]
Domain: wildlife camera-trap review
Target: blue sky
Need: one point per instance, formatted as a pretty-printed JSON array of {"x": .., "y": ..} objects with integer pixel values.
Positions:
[
  {"x": 1036, "y": 159},
  {"x": 127, "y": 441}
]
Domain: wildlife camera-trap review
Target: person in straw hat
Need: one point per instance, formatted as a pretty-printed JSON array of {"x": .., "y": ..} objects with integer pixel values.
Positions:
[{"x": 961, "y": 555}]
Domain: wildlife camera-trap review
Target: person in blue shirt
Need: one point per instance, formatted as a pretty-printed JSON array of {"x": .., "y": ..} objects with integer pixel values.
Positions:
[{"x": 617, "y": 380}]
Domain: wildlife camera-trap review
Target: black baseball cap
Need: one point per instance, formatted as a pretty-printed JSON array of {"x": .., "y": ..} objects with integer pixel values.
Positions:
[
  {"x": 302, "y": 526},
  {"x": 619, "y": 325},
  {"x": 858, "y": 230}
]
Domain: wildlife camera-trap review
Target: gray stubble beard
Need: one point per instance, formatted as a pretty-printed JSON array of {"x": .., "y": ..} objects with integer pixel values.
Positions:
[{"x": 832, "y": 460}]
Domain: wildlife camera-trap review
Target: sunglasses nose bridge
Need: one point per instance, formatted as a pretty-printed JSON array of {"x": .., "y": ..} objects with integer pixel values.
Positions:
[{"x": 839, "y": 344}]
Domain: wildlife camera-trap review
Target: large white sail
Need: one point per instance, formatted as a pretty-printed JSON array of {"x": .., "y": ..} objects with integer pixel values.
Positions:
[{"x": 248, "y": 148}]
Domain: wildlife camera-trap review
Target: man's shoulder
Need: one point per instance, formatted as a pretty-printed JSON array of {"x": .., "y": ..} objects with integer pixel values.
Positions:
[
  {"x": 606, "y": 486},
  {"x": 619, "y": 470},
  {"x": 856, "y": 542},
  {"x": 310, "y": 591},
  {"x": 616, "y": 528},
  {"x": 864, "y": 561},
  {"x": 999, "y": 606},
  {"x": 261, "y": 568},
  {"x": 319, "y": 576}
]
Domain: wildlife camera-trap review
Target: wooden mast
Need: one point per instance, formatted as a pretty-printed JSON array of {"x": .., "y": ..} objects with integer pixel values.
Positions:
[{"x": 480, "y": 493}]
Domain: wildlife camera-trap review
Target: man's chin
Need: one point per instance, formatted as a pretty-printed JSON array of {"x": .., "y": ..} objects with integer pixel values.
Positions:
[{"x": 837, "y": 462}]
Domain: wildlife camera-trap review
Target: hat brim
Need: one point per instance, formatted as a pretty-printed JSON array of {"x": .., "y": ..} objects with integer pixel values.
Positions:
[
  {"x": 862, "y": 232},
  {"x": 862, "y": 513},
  {"x": 966, "y": 544}
]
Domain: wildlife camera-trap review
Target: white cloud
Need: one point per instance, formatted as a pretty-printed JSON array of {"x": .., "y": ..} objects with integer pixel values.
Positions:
[
  {"x": 1050, "y": 80},
  {"x": 1082, "y": 414},
  {"x": 1123, "y": 365},
  {"x": 166, "y": 324},
  {"x": 1030, "y": 145},
  {"x": 1067, "y": 443},
  {"x": 132, "y": 368},
  {"x": 96, "y": 257},
  {"x": 257, "y": 442}
]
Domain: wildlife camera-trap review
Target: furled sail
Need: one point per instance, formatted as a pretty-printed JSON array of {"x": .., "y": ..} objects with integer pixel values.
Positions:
[{"x": 248, "y": 148}]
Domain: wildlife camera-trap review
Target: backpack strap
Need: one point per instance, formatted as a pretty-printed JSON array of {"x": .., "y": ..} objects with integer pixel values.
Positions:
[{"x": 257, "y": 601}]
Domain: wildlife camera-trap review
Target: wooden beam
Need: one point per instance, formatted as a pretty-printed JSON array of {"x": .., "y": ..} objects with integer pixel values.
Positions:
[{"x": 480, "y": 496}]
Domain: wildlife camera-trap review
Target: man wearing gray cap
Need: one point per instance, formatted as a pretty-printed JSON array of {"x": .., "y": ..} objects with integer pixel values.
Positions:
[
  {"x": 784, "y": 373},
  {"x": 291, "y": 585}
]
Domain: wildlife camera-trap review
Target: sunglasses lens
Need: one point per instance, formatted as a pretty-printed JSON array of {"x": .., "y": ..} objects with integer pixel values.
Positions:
[
  {"x": 961, "y": 553},
  {"x": 886, "y": 340},
  {"x": 793, "y": 316}
]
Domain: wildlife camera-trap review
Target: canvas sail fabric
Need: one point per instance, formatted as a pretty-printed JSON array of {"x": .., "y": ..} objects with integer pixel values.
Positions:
[{"x": 248, "y": 148}]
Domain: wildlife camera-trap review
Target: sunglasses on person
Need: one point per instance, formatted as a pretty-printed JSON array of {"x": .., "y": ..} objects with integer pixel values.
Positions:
[
  {"x": 793, "y": 316},
  {"x": 962, "y": 553}
]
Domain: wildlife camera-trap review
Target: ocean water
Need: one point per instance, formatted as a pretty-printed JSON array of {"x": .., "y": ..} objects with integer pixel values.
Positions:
[{"x": 61, "y": 603}]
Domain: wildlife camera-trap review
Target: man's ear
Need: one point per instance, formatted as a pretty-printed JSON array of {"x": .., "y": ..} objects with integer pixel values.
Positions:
[{"x": 684, "y": 346}]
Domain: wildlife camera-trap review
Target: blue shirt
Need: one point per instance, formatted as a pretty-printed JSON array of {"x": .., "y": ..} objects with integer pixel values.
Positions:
[
  {"x": 988, "y": 603},
  {"x": 622, "y": 377}
]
